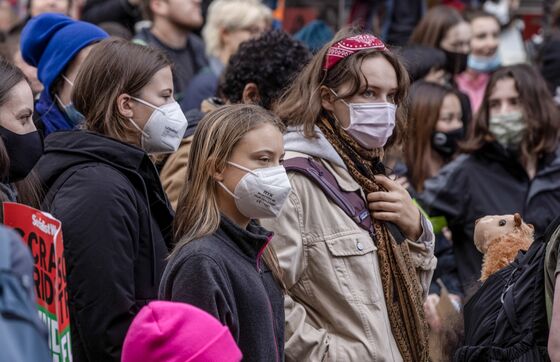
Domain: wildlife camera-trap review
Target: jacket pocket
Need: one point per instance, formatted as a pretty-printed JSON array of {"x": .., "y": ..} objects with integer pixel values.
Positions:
[{"x": 355, "y": 264}]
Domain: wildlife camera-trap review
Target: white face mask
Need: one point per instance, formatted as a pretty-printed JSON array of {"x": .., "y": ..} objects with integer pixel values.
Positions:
[
  {"x": 371, "y": 124},
  {"x": 165, "y": 128},
  {"x": 262, "y": 192}
]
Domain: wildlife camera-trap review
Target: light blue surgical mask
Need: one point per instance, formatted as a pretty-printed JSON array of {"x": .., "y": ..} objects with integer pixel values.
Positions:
[
  {"x": 73, "y": 115},
  {"x": 484, "y": 64}
]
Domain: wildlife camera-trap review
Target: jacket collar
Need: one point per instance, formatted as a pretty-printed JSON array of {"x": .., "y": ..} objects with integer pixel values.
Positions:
[
  {"x": 495, "y": 152},
  {"x": 550, "y": 164},
  {"x": 251, "y": 241}
]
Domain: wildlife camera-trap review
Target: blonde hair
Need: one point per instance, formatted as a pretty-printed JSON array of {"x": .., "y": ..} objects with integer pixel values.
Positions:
[
  {"x": 214, "y": 140},
  {"x": 231, "y": 15}
]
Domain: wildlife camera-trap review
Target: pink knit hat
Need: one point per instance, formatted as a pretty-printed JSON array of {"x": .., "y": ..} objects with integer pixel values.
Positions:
[{"x": 178, "y": 332}]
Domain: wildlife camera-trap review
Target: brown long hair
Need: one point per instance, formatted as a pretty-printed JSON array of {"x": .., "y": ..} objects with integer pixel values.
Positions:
[
  {"x": 300, "y": 105},
  {"x": 10, "y": 76},
  {"x": 216, "y": 136},
  {"x": 28, "y": 189},
  {"x": 114, "y": 66},
  {"x": 434, "y": 26},
  {"x": 541, "y": 116},
  {"x": 424, "y": 105}
]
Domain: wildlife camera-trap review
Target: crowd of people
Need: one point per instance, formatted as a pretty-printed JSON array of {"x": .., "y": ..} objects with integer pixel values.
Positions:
[{"x": 228, "y": 192}]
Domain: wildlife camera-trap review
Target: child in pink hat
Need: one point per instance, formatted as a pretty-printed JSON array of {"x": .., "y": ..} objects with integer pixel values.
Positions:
[{"x": 178, "y": 332}]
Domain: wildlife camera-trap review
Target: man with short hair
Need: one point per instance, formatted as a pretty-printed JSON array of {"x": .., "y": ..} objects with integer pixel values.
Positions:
[{"x": 172, "y": 24}]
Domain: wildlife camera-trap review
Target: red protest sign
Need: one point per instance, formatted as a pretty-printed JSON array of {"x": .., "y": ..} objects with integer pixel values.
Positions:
[{"x": 43, "y": 236}]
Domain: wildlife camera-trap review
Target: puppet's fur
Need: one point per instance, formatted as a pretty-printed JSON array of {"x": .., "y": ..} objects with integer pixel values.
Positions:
[{"x": 501, "y": 238}]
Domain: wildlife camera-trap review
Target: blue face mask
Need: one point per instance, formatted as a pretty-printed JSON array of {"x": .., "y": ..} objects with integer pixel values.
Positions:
[
  {"x": 73, "y": 115},
  {"x": 484, "y": 64}
]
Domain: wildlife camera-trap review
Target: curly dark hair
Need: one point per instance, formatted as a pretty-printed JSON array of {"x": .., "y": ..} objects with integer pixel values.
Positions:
[{"x": 271, "y": 61}]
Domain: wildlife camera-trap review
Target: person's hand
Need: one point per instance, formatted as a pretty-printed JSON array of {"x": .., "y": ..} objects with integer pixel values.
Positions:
[
  {"x": 456, "y": 300},
  {"x": 402, "y": 180},
  {"x": 431, "y": 314},
  {"x": 396, "y": 206},
  {"x": 447, "y": 233}
]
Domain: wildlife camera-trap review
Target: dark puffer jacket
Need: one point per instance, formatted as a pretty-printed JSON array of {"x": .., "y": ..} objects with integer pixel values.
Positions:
[{"x": 116, "y": 225}]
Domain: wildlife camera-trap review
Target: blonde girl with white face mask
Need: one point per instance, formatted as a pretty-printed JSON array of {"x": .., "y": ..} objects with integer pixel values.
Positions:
[{"x": 222, "y": 262}]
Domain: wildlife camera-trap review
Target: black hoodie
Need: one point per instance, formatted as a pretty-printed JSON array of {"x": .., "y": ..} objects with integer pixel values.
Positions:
[{"x": 116, "y": 222}]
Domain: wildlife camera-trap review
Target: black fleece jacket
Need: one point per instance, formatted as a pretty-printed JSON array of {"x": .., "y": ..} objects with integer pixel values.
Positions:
[{"x": 224, "y": 275}]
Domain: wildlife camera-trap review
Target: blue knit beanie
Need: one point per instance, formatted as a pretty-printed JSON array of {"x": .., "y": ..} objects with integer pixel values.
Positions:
[{"x": 50, "y": 41}]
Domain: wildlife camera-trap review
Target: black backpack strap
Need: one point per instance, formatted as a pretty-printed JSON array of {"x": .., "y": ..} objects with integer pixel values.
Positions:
[{"x": 510, "y": 309}]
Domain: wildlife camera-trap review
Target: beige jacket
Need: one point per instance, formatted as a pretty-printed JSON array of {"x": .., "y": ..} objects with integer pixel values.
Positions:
[
  {"x": 173, "y": 175},
  {"x": 335, "y": 309}
]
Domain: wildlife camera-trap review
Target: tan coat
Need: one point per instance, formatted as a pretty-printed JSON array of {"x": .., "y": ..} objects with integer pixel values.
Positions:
[
  {"x": 173, "y": 175},
  {"x": 335, "y": 309}
]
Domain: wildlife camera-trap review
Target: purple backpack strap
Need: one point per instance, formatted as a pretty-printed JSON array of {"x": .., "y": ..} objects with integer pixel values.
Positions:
[{"x": 350, "y": 202}]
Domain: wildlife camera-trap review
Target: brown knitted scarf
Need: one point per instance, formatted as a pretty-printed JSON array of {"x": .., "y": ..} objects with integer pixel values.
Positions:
[{"x": 401, "y": 288}]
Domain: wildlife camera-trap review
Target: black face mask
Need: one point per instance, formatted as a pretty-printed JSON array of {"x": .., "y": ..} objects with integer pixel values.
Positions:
[
  {"x": 24, "y": 150},
  {"x": 455, "y": 63},
  {"x": 446, "y": 142}
]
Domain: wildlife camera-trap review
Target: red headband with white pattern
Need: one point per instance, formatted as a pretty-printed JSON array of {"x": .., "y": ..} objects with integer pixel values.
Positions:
[{"x": 348, "y": 46}]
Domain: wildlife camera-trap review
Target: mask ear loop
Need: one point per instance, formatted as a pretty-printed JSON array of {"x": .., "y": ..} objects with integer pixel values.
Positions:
[
  {"x": 347, "y": 105},
  {"x": 242, "y": 169},
  {"x": 138, "y": 128},
  {"x": 67, "y": 80},
  {"x": 227, "y": 190},
  {"x": 134, "y": 123},
  {"x": 59, "y": 100},
  {"x": 147, "y": 104},
  {"x": 56, "y": 95}
]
